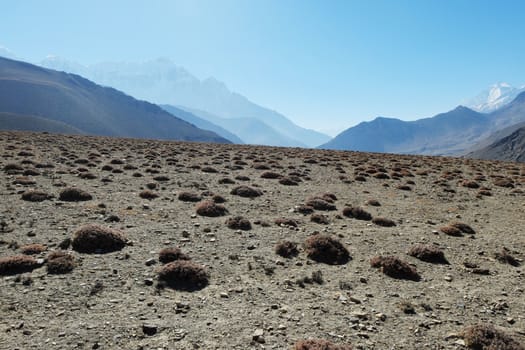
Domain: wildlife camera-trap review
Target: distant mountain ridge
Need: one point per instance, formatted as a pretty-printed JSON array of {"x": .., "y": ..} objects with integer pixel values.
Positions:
[
  {"x": 161, "y": 81},
  {"x": 508, "y": 148},
  {"x": 72, "y": 101},
  {"x": 450, "y": 133},
  {"x": 497, "y": 96}
]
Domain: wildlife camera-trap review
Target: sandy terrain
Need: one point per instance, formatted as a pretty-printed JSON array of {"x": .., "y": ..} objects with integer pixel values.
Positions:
[{"x": 256, "y": 299}]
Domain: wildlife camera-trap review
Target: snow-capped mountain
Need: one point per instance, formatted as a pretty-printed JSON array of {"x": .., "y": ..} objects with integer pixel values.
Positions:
[{"x": 496, "y": 97}]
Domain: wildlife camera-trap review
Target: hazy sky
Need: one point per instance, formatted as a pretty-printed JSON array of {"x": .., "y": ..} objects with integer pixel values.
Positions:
[{"x": 324, "y": 64}]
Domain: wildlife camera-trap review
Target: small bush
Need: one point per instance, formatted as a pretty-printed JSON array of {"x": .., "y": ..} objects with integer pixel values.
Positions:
[
  {"x": 470, "y": 184},
  {"x": 12, "y": 265},
  {"x": 286, "y": 222},
  {"x": 286, "y": 181},
  {"x": 320, "y": 204},
  {"x": 183, "y": 275},
  {"x": 24, "y": 181},
  {"x": 451, "y": 231},
  {"x": 357, "y": 213},
  {"x": 487, "y": 337},
  {"x": 286, "y": 249},
  {"x": 93, "y": 238},
  {"x": 217, "y": 198},
  {"x": 304, "y": 209},
  {"x": 246, "y": 191},
  {"x": 189, "y": 197},
  {"x": 383, "y": 222},
  {"x": 32, "y": 249},
  {"x": 170, "y": 254},
  {"x": 35, "y": 196},
  {"x": 238, "y": 223},
  {"x": 320, "y": 344},
  {"x": 60, "y": 262},
  {"x": 428, "y": 253},
  {"x": 147, "y": 194},
  {"x": 504, "y": 183},
  {"x": 373, "y": 203},
  {"x": 404, "y": 188},
  {"x": 504, "y": 257},
  {"x": 71, "y": 194},
  {"x": 326, "y": 249},
  {"x": 226, "y": 180},
  {"x": 319, "y": 219},
  {"x": 395, "y": 267},
  {"x": 210, "y": 208},
  {"x": 270, "y": 175}
]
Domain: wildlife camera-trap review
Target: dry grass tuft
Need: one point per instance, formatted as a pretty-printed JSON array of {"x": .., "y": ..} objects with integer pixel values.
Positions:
[
  {"x": 183, "y": 275},
  {"x": 320, "y": 204},
  {"x": 94, "y": 238},
  {"x": 147, "y": 194},
  {"x": 238, "y": 223},
  {"x": 320, "y": 344},
  {"x": 487, "y": 337},
  {"x": 170, "y": 254},
  {"x": 189, "y": 197},
  {"x": 504, "y": 257},
  {"x": 428, "y": 253},
  {"x": 357, "y": 213},
  {"x": 71, "y": 194},
  {"x": 319, "y": 219},
  {"x": 32, "y": 249},
  {"x": 451, "y": 231},
  {"x": 210, "y": 208},
  {"x": 395, "y": 268},
  {"x": 286, "y": 222},
  {"x": 463, "y": 227},
  {"x": 326, "y": 249},
  {"x": 246, "y": 191},
  {"x": 286, "y": 249},
  {"x": 60, "y": 262},
  {"x": 12, "y": 265}
]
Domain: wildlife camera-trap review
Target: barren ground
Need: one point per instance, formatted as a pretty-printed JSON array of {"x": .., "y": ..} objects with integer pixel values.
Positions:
[{"x": 255, "y": 298}]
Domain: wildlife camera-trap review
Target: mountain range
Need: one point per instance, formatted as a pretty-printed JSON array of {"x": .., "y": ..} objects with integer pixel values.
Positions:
[
  {"x": 497, "y": 96},
  {"x": 32, "y": 97},
  {"x": 509, "y": 148},
  {"x": 161, "y": 81}
]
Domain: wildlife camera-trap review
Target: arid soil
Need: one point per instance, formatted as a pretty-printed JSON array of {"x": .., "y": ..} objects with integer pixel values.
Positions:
[{"x": 467, "y": 214}]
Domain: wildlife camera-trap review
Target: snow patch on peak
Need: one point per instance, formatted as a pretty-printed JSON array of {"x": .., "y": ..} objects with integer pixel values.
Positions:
[{"x": 495, "y": 97}]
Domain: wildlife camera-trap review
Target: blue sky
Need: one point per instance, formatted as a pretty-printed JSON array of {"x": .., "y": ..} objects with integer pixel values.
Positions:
[{"x": 324, "y": 64}]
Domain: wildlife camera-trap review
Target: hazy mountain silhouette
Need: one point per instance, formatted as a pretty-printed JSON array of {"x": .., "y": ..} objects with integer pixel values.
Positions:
[
  {"x": 11, "y": 121},
  {"x": 510, "y": 148},
  {"x": 30, "y": 90},
  {"x": 161, "y": 81}
]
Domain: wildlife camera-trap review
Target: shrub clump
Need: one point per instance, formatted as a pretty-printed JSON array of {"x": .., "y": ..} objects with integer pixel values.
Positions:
[
  {"x": 319, "y": 219},
  {"x": 463, "y": 227},
  {"x": 504, "y": 257},
  {"x": 12, "y": 265},
  {"x": 94, "y": 238},
  {"x": 395, "y": 268},
  {"x": 35, "y": 196},
  {"x": 60, "y": 262},
  {"x": 210, "y": 208},
  {"x": 72, "y": 194},
  {"x": 238, "y": 223},
  {"x": 428, "y": 253},
  {"x": 451, "y": 231},
  {"x": 383, "y": 222},
  {"x": 246, "y": 191},
  {"x": 357, "y": 213},
  {"x": 183, "y": 275},
  {"x": 189, "y": 197},
  {"x": 320, "y": 344},
  {"x": 286, "y": 222},
  {"x": 32, "y": 249},
  {"x": 286, "y": 249},
  {"x": 170, "y": 254},
  {"x": 487, "y": 337},
  {"x": 320, "y": 204},
  {"x": 326, "y": 249}
]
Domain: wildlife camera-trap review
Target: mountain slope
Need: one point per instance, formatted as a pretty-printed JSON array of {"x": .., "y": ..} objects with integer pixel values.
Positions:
[
  {"x": 494, "y": 98},
  {"x": 201, "y": 123},
  {"x": 26, "y": 89},
  {"x": 510, "y": 148},
  {"x": 258, "y": 132},
  {"x": 445, "y": 133},
  {"x": 163, "y": 82},
  {"x": 10, "y": 121}
]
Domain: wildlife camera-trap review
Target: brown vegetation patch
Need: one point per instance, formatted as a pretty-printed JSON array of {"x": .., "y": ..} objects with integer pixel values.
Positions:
[
  {"x": 320, "y": 204},
  {"x": 463, "y": 227},
  {"x": 505, "y": 257},
  {"x": 470, "y": 184},
  {"x": 373, "y": 203},
  {"x": 487, "y": 337},
  {"x": 148, "y": 194},
  {"x": 287, "y": 181},
  {"x": 383, "y": 222},
  {"x": 508, "y": 183},
  {"x": 395, "y": 267},
  {"x": 246, "y": 191},
  {"x": 170, "y": 254},
  {"x": 428, "y": 253},
  {"x": 94, "y": 238},
  {"x": 35, "y": 196},
  {"x": 72, "y": 194},
  {"x": 183, "y": 275},
  {"x": 286, "y": 249},
  {"x": 286, "y": 222},
  {"x": 451, "y": 231},
  {"x": 326, "y": 249},
  {"x": 320, "y": 344},
  {"x": 33, "y": 249},
  {"x": 270, "y": 175},
  {"x": 319, "y": 219},
  {"x": 188, "y": 197},
  {"x": 210, "y": 208},
  {"x": 12, "y": 265},
  {"x": 238, "y": 223}
]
